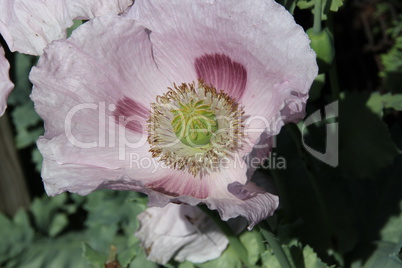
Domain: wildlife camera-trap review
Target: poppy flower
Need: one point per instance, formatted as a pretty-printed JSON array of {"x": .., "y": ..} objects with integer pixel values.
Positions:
[{"x": 175, "y": 99}]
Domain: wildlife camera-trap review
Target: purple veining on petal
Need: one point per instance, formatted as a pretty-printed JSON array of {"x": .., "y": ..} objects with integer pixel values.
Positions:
[
  {"x": 222, "y": 73},
  {"x": 245, "y": 192},
  {"x": 175, "y": 186},
  {"x": 130, "y": 114}
]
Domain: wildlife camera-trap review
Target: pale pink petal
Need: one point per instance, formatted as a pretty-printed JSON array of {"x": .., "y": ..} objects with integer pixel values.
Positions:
[
  {"x": 28, "y": 26},
  {"x": 231, "y": 191},
  {"x": 84, "y": 102},
  {"x": 235, "y": 168},
  {"x": 84, "y": 179},
  {"x": 180, "y": 231},
  {"x": 253, "y": 202},
  {"x": 5, "y": 84},
  {"x": 255, "y": 52},
  {"x": 244, "y": 199},
  {"x": 61, "y": 81}
]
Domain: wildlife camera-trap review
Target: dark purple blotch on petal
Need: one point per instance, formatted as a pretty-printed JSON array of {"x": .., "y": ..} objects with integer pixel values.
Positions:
[
  {"x": 245, "y": 192},
  {"x": 222, "y": 73},
  {"x": 131, "y": 114}
]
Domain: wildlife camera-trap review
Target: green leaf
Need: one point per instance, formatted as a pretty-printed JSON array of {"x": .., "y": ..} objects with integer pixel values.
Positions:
[
  {"x": 141, "y": 261},
  {"x": 26, "y": 138},
  {"x": 311, "y": 259},
  {"x": 50, "y": 216},
  {"x": 302, "y": 257},
  {"x": 377, "y": 102},
  {"x": 22, "y": 86},
  {"x": 392, "y": 231},
  {"x": 106, "y": 219},
  {"x": 227, "y": 259},
  {"x": 58, "y": 223},
  {"x": 15, "y": 235},
  {"x": 104, "y": 207},
  {"x": 327, "y": 5},
  {"x": 65, "y": 251},
  {"x": 27, "y": 123},
  {"x": 78, "y": 199},
  {"x": 186, "y": 265},
  {"x": 335, "y": 5},
  {"x": 93, "y": 257},
  {"x": 269, "y": 260},
  {"x": 102, "y": 236},
  {"x": 37, "y": 159},
  {"x": 392, "y": 71},
  {"x": 365, "y": 144},
  {"x": 126, "y": 256},
  {"x": 252, "y": 241},
  {"x": 76, "y": 24},
  {"x": 305, "y": 4},
  {"x": 24, "y": 116},
  {"x": 44, "y": 210}
]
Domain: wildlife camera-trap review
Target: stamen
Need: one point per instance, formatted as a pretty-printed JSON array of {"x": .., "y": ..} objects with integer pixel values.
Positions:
[{"x": 194, "y": 128}]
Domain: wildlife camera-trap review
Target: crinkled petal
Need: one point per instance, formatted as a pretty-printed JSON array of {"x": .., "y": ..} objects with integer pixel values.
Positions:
[
  {"x": 95, "y": 108},
  {"x": 231, "y": 191},
  {"x": 81, "y": 179},
  {"x": 259, "y": 43},
  {"x": 5, "y": 84},
  {"x": 254, "y": 199},
  {"x": 28, "y": 26},
  {"x": 250, "y": 201},
  {"x": 180, "y": 231}
]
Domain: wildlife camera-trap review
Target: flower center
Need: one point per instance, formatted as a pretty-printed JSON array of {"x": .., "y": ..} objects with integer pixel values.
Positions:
[
  {"x": 194, "y": 127},
  {"x": 194, "y": 123}
]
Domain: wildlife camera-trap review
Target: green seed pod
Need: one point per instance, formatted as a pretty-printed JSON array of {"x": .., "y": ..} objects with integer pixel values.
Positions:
[
  {"x": 323, "y": 45},
  {"x": 194, "y": 123}
]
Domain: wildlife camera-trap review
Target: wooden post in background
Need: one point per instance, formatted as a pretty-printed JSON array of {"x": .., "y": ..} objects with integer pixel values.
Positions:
[{"x": 13, "y": 188}]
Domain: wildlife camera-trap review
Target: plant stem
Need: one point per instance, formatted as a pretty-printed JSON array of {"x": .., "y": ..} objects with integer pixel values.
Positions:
[
  {"x": 233, "y": 239},
  {"x": 317, "y": 16},
  {"x": 274, "y": 244},
  {"x": 13, "y": 189}
]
